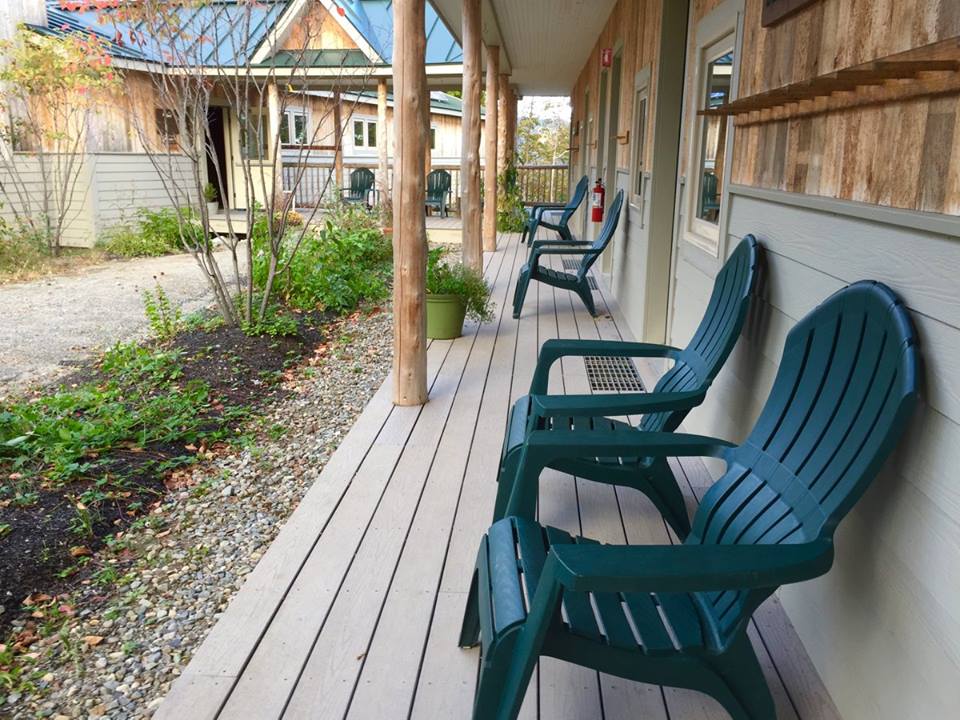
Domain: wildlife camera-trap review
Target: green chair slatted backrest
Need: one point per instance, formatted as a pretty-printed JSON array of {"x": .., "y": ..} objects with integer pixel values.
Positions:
[
  {"x": 579, "y": 193},
  {"x": 699, "y": 363},
  {"x": 438, "y": 184},
  {"x": 603, "y": 239},
  {"x": 845, "y": 389},
  {"x": 361, "y": 183}
]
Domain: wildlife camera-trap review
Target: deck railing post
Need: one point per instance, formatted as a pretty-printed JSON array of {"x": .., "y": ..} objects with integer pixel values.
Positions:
[
  {"x": 470, "y": 162},
  {"x": 410, "y": 122},
  {"x": 491, "y": 169},
  {"x": 383, "y": 167}
]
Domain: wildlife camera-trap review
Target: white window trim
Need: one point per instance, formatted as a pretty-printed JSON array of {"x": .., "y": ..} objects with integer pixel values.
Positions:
[
  {"x": 366, "y": 120},
  {"x": 721, "y": 27},
  {"x": 287, "y": 119},
  {"x": 641, "y": 90}
]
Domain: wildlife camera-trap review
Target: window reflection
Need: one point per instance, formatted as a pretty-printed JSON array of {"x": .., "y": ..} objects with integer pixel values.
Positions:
[{"x": 718, "y": 74}]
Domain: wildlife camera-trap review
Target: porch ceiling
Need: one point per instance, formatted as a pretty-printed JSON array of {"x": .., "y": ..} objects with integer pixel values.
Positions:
[{"x": 546, "y": 41}]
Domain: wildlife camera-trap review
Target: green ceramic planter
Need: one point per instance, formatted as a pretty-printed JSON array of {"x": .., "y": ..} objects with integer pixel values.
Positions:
[{"x": 445, "y": 314}]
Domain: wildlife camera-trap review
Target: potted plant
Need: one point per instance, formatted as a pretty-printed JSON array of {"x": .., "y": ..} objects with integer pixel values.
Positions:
[
  {"x": 454, "y": 292},
  {"x": 210, "y": 194}
]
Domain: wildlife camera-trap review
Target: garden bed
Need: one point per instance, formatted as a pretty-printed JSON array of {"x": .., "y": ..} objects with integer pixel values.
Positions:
[{"x": 49, "y": 526}]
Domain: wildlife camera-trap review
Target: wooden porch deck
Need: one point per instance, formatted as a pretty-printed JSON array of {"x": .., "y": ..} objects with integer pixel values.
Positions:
[{"x": 354, "y": 610}]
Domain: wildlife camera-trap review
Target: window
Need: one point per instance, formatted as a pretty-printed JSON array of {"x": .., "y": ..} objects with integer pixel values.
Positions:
[
  {"x": 168, "y": 130},
  {"x": 364, "y": 133},
  {"x": 718, "y": 72},
  {"x": 254, "y": 136},
  {"x": 640, "y": 109},
  {"x": 293, "y": 127},
  {"x": 433, "y": 138}
]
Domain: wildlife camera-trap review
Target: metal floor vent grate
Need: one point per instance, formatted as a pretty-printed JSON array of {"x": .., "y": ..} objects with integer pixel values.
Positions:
[
  {"x": 571, "y": 264},
  {"x": 612, "y": 374}
]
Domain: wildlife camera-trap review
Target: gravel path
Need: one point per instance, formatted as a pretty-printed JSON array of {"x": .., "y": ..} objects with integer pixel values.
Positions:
[
  {"x": 128, "y": 641},
  {"x": 50, "y": 324}
]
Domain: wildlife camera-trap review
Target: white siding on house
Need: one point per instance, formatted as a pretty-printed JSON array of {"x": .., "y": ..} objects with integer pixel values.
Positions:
[
  {"x": 127, "y": 182},
  {"x": 883, "y": 627},
  {"x": 79, "y": 223}
]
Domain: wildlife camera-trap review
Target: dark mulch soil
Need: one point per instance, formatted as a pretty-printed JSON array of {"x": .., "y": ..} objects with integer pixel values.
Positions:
[{"x": 42, "y": 542}]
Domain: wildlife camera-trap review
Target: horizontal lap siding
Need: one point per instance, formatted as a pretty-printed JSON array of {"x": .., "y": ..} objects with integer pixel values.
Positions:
[
  {"x": 883, "y": 627},
  {"x": 129, "y": 182}
]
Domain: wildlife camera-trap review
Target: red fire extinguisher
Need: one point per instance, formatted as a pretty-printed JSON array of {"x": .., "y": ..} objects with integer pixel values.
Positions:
[{"x": 599, "y": 195}]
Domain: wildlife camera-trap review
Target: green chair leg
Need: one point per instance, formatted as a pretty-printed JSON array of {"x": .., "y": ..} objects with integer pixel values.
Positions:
[
  {"x": 470, "y": 629},
  {"x": 586, "y": 294},
  {"x": 743, "y": 691},
  {"x": 520, "y": 294}
]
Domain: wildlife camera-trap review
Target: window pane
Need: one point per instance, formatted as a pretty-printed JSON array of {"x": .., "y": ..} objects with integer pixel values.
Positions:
[
  {"x": 640, "y": 142},
  {"x": 433, "y": 138},
  {"x": 358, "y": 133},
  {"x": 371, "y": 134},
  {"x": 300, "y": 128},
  {"x": 285, "y": 130},
  {"x": 713, "y": 138}
]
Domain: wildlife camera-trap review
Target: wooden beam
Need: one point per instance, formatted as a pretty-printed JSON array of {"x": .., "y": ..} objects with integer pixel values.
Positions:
[
  {"x": 383, "y": 169},
  {"x": 409, "y": 193},
  {"x": 491, "y": 170},
  {"x": 470, "y": 157},
  {"x": 337, "y": 140}
]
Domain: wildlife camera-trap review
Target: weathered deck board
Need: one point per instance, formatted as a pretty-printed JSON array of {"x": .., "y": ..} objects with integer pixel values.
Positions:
[{"x": 355, "y": 609}]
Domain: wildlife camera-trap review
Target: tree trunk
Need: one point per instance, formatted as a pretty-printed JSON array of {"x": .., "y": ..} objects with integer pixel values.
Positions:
[
  {"x": 337, "y": 142},
  {"x": 410, "y": 107},
  {"x": 470, "y": 163}
]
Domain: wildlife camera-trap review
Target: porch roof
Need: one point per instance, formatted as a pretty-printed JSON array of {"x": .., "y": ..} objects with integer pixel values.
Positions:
[
  {"x": 545, "y": 42},
  {"x": 354, "y": 610}
]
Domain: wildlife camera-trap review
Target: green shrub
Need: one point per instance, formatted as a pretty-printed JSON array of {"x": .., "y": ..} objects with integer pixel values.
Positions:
[
  {"x": 511, "y": 215},
  {"x": 22, "y": 250},
  {"x": 444, "y": 278},
  {"x": 165, "y": 319},
  {"x": 276, "y": 324},
  {"x": 336, "y": 267},
  {"x": 157, "y": 232},
  {"x": 60, "y": 436}
]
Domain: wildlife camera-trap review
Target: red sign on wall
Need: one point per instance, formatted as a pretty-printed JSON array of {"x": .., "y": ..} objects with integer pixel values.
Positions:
[{"x": 606, "y": 57}]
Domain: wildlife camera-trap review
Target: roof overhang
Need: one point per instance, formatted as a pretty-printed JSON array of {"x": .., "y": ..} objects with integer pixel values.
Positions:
[{"x": 546, "y": 42}]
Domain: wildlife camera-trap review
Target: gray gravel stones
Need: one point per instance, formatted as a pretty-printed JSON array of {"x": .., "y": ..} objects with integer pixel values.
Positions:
[{"x": 130, "y": 639}]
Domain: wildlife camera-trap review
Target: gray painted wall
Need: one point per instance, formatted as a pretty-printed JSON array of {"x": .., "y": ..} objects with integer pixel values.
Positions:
[{"x": 883, "y": 627}]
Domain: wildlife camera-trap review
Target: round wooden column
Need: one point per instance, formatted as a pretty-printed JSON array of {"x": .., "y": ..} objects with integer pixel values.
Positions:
[
  {"x": 490, "y": 170},
  {"x": 470, "y": 152},
  {"x": 411, "y": 101}
]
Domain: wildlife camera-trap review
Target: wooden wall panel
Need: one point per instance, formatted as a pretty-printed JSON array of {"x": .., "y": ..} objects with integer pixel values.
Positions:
[
  {"x": 895, "y": 155},
  {"x": 635, "y": 24}
]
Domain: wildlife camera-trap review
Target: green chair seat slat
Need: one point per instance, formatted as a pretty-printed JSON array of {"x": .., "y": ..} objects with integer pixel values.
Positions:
[
  {"x": 533, "y": 554},
  {"x": 646, "y": 619},
  {"x": 615, "y": 628},
  {"x": 579, "y": 610},
  {"x": 684, "y": 619}
]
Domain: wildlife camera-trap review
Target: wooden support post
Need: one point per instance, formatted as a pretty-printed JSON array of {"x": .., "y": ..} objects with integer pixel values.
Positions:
[
  {"x": 470, "y": 152},
  {"x": 275, "y": 191},
  {"x": 490, "y": 167},
  {"x": 337, "y": 140},
  {"x": 409, "y": 193},
  {"x": 507, "y": 125},
  {"x": 383, "y": 172}
]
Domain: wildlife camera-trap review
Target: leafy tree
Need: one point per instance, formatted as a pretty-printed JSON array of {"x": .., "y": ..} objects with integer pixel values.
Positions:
[{"x": 49, "y": 88}]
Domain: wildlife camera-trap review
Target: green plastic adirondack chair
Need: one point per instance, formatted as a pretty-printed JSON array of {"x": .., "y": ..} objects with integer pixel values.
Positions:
[
  {"x": 680, "y": 389},
  {"x": 438, "y": 188},
  {"x": 576, "y": 282},
  {"x": 535, "y": 218},
  {"x": 677, "y": 615},
  {"x": 361, "y": 183}
]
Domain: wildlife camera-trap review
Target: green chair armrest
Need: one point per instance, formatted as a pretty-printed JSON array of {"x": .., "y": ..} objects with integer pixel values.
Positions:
[
  {"x": 623, "y": 404},
  {"x": 688, "y": 568},
  {"x": 567, "y": 249},
  {"x": 544, "y": 446},
  {"x": 559, "y": 243},
  {"x": 553, "y": 350}
]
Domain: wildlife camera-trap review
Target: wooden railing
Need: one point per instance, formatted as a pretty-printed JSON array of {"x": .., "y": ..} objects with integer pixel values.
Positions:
[
  {"x": 313, "y": 184},
  {"x": 543, "y": 183}
]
